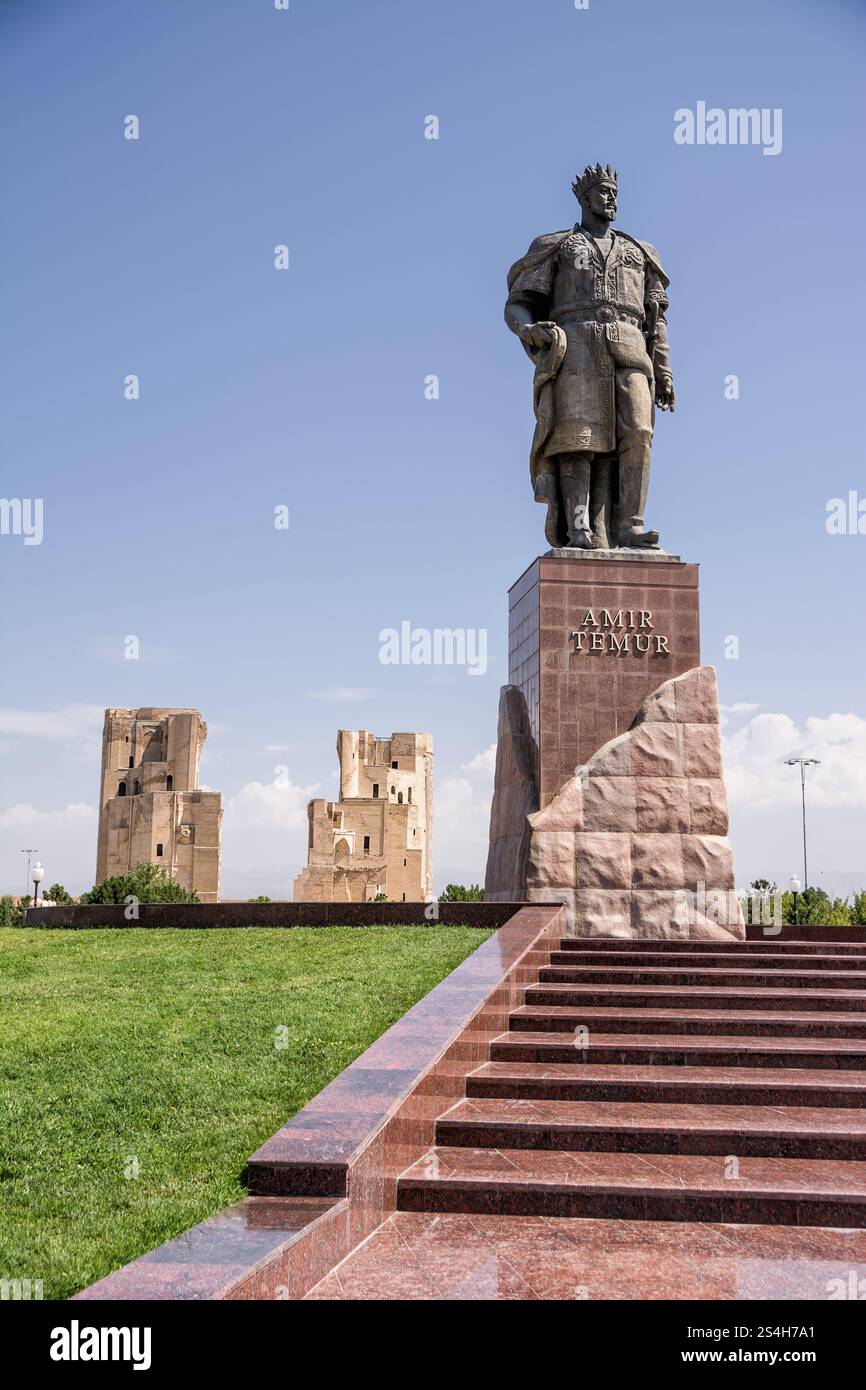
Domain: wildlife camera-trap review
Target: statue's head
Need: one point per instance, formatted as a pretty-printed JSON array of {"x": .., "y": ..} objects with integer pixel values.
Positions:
[{"x": 595, "y": 190}]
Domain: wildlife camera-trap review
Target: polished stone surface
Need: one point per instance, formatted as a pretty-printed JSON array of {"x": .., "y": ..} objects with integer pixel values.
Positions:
[
  {"x": 630, "y": 1127},
  {"x": 747, "y": 956},
  {"x": 647, "y": 1083},
  {"x": 789, "y": 940},
  {"x": 410, "y": 1071},
  {"x": 749, "y": 974},
  {"x": 436, "y": 1257},
  {"x": 572, "y": 1156},
  {"x": 261, "y": 1242},
  {"x": 657, "y": 1186},
  {"x": 575, "y": 704},
  {"x": 329, "y": 1177},
  {"x": 670, "y": 1049},
  {"x": 698, "y": 996},
  {"x": 650, "y": 1020}
]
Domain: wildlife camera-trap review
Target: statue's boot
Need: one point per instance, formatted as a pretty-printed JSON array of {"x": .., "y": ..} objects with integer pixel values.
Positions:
[
  {"x": 634, "y": 469},
  {"x": 575, "y": 471},
  {"x": 547, "y": 491}
]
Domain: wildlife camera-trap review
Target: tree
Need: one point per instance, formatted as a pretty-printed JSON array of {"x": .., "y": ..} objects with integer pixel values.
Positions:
[
  {"x": 11, "y": 914},
  {"x": 757, "y": 905},
  {"x": 815, "y": 908},
  {"x": 58, "y": 894},
  {"x": 261, "y": 900},
  {"x": 459, "y": 893},
  {"x": 148, "y": 883}
]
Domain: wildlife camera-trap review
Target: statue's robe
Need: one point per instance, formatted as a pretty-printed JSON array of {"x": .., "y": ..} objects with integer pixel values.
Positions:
[{"x": 604, "y": 309}]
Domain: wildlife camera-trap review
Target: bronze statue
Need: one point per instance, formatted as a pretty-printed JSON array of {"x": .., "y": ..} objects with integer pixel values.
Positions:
[{"x": 589, "y": 308}]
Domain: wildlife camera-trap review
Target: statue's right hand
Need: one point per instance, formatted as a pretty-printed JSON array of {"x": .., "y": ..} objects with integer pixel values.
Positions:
[{"x": 537, "y": 335}]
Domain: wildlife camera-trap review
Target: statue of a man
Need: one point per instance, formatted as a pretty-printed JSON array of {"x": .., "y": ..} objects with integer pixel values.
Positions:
[{"x": 589, "y": 307}]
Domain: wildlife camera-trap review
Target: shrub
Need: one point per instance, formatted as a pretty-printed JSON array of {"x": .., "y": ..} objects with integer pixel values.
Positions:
[
  {"x": 148, "y": 883},
  {"x": 58, "y": 894},
  {"x": 11, "y": 914},
  {"x": 459, "y": 893}
]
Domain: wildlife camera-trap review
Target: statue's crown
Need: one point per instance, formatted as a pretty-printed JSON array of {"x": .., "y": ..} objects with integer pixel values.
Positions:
[{"x": 591, "y": 176}]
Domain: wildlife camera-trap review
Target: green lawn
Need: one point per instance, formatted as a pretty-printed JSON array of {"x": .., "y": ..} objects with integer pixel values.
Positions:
[{"x": 159, "y": 1047}]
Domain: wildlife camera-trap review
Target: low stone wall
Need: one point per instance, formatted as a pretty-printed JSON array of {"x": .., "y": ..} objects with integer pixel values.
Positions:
[
  {"x": 487, "y": 916},
  {"x": 852, "y": 934}
]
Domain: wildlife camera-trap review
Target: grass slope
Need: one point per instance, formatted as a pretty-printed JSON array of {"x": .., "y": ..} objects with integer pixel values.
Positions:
[{"x": 158, "y": 1048}]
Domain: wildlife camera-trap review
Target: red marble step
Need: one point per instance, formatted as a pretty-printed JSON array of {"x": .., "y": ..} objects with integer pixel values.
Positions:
[
  {"x": 671, "y": 1049},
  {"x": 766, "y": 944},
  {"x": 612, "y": 1126},
  {"x": 697, "y": 997},
  {"x": 751, "y": 979},
  {"x": 437, "y": 1256},
  {"x": 708, "y": 960},
  {"x": 688, "y": 1022},
  {"x": 660, "y": 1084},
  {"x": 629, "y": 1186}
]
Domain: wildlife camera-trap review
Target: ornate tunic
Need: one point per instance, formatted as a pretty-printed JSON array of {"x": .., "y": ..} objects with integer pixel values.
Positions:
[{"x": 604, "y": 307}]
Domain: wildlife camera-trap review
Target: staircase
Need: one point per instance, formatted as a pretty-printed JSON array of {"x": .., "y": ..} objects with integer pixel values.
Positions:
[{"x": 668, "y": 1081}]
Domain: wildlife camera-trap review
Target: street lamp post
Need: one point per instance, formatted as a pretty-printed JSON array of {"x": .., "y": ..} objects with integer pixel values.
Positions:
[
  {"x": 795, "y": 886},
  {"x": 30, "y": 853},
  {"x": 803, "y": 763},
  {"x": 38, "y": 875}
]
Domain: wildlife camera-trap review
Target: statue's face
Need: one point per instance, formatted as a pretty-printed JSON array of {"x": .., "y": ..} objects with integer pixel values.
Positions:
[{"x": 601, "y": 200}]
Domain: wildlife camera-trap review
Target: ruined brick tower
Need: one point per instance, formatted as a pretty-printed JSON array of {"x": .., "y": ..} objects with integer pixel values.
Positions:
[
  {"x": 150, "y": 808},
  {"x": 377, "y": 838}
]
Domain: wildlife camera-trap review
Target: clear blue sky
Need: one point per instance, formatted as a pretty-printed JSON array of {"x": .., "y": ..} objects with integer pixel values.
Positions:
[{"x": 306, "y": 387}]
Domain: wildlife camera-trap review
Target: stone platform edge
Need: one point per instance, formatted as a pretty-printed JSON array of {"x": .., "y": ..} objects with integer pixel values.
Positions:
[
  {"x": 200, "y": 916},
  {"x": 328, "y": 1178},
  {"x": 788, "y": 932}
]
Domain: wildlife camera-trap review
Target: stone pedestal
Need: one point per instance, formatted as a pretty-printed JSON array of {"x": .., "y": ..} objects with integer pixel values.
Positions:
[
  {"x": 609, "y": 794},
  {"x": 580, "y": 693}
]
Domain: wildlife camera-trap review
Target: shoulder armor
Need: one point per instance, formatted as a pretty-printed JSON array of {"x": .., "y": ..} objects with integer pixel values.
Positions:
[
  {"x": 541, "y": 249},
  {"x": 548, "y": 241}
]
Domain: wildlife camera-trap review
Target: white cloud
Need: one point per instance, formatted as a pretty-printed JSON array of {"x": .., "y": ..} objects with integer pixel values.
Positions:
[
  {"x": 483, "y": 763},
  {"x": 740, "y": 707},
  {"x": 73, "y": 723},
  {"x": 264, "y": 838},
  {"x": 269, "y": 804},
  {"x": 27, "y": 817},
  {"x": 65, "y": 841},
  {"x": 461, "y": 821},
  {"x": 764, "y": 797},
  {"x": 755, "y": 761},
  {"x": 278, "y": 748}
]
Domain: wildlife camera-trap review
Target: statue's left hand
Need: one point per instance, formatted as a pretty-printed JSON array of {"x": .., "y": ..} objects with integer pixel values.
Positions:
[{"x": 665, "y": 395}]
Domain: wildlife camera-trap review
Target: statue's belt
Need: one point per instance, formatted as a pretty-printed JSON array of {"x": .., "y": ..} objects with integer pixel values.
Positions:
[{"x": 600, "y": 313}]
